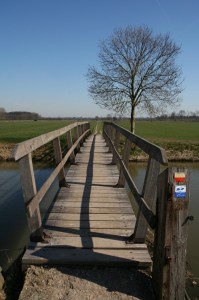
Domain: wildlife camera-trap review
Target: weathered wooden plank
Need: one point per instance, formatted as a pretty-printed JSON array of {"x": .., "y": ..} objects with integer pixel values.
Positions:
[
  {"x": 88, "y": 242},
  {"x": 91, "y": 194},
  {"x": 91, "y": 224},
  {"x": 88, "y": 180},
  {"x": 88, "y": 190},
  {"x": 108, "y": 233},
  {"x": 92, "y": 176},
  {"x": 93, "y": 199},
  {"x": 92, "y": 210},
  {"x": 90, "y": 217},
  {"x": 93, "y": 167},
  {"x": 93, "y": 204},
  {"x": 59, "y": 256},
  {"x": 95, "y": 173}
]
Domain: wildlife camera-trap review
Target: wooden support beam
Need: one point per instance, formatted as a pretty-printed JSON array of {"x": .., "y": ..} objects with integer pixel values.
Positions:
[
  {"x": 58, "y": 159},
  {"x": 70, "y": 144},
  {"x": 125, "y": 158},
  {"x": 149, "y": 195},
  {"x": 116, "y": 144},
  {"x": 156, "y": 152},
  {"x": 29, "y": 191},
  {"x": 76, "y": 136}
]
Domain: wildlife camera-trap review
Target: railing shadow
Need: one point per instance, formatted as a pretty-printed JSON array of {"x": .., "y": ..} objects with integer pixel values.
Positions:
[
  {"x": 127, "y": 281},
  {"x": 87, "y": 194}
]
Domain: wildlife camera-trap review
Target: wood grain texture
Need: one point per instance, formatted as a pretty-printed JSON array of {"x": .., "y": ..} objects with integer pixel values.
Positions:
[
  {"x": 154, "y": 151},
  {"x": 30, "y": 145},
  {"x": 90, "y": 220}
]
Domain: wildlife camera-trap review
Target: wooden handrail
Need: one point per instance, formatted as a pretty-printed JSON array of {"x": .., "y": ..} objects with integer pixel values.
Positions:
[
  {"x": 150, "y": 217},
  {"x": 34, "y": 202},
  {"x": 157, "y": 157},
  {"x": 170, "y": 219},
  {"x": 30, "y": 145},
  {"x": 153, "y": 150},
  {"x": 23, "y": 153}
]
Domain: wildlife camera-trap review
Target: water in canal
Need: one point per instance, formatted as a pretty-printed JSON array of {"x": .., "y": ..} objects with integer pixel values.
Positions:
[{"x": 13, "y": 225}]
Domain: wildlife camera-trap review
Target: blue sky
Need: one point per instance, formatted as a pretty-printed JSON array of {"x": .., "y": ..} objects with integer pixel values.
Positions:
[{"x": 46, "y": 47}]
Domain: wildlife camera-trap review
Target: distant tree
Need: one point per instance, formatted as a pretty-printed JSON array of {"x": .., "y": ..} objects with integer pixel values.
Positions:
[
  {"x": 2, "y": 113},
  {"x": 173, "y": 115},
  {"x": 182, "y": 113},
  {"x": 138, "y": 69},
  {"x": 109, "y": 117}
]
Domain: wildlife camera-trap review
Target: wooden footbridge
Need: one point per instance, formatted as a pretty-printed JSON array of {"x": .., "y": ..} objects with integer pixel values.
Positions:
[{"x": 91, "y": 221}]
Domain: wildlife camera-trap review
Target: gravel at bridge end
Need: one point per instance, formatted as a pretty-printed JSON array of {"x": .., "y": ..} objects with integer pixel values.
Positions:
[{"x": 86, "y": 283}]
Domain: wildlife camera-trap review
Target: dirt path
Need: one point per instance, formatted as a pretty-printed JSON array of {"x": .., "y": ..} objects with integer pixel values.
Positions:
[{"x": 86, "y": 284}]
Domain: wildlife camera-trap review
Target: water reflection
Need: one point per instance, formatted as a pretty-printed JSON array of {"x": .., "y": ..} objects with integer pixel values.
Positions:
[
  {"x": 137, "y": 171},
  {"x": 14, "y": 233}
]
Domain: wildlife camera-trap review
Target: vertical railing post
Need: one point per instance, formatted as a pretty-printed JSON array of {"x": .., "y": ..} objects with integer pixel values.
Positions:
[
  {"x": 105, "y": 130},
  {"x": 149, "y": 195},
  {"x": 80, "y": 129},
  {"x": 70, "y": 144},
  {"x": 125, "y": 158},
  {"x": 109, "y": 131},
  {"x": 76, "y": 136},
  {"x": 58, "y": 159},
  {"x": 29, "y": 191},
  {"x": 169, "y": 260},
  {"x": 116, "y": 144}
]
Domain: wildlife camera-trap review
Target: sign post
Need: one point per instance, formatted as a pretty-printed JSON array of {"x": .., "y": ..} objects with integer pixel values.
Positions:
[{"x": 170, "y": 245}]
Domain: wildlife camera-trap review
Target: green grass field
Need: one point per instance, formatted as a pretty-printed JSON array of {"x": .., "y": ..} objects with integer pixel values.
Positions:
[
  {"x": 18, "y": 131},
  {"x": 172, "y": 131},
  {"x": 156, "y": 131}
]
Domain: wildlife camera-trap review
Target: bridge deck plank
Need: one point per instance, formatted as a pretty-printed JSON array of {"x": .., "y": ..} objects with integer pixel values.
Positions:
[{"x": 89, "y": 221}]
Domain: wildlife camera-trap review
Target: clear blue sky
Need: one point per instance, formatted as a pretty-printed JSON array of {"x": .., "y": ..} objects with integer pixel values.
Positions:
[{"x": 46, "y": 47}]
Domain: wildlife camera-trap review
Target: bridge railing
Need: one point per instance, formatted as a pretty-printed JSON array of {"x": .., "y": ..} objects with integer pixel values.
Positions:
[
  {"x": 23, "y": 153},
  {"x": 169, "y": 191},
  {"x": 156, "y": 157}
]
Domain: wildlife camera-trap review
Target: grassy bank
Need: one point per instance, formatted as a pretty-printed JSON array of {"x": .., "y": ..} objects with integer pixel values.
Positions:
[{"x": 180, "y": 139}]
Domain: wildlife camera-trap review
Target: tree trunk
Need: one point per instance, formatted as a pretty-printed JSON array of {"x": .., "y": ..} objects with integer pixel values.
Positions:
[{"x": 133, "y": 119}]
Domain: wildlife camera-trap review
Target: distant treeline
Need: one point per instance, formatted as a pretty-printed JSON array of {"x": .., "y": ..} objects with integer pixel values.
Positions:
[
  {"x": 19, "y": 115},
  {"x": 181, "y": 115},
  {"x": 26, "y": 115}
]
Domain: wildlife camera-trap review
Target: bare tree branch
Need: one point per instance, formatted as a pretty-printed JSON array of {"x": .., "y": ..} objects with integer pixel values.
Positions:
[{"x": 138, "y": 69}]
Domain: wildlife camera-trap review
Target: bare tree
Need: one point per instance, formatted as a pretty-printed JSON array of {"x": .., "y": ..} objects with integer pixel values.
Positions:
[
  {"x": 182, "y": 113},
  {"x": 2, "y": 113},
  {"x": 138, "y": 69}
]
